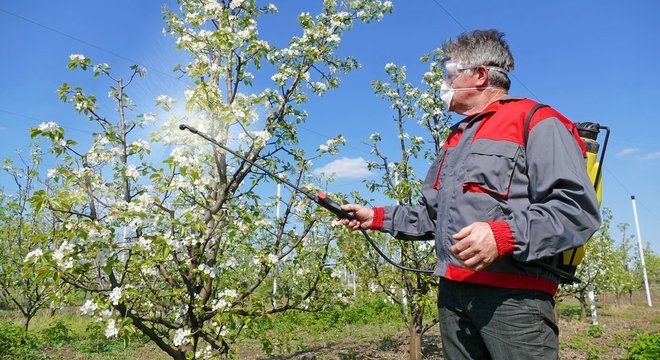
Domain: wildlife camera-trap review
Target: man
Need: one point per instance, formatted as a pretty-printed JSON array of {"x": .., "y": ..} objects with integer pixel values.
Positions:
[{"x": 498, "y": 198}]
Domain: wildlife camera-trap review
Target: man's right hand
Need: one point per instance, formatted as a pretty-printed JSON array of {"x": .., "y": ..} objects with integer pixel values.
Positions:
[{"x": 363, "y": 216}]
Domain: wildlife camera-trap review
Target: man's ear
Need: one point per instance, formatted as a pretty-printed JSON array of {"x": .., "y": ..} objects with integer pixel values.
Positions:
[{"x": 481, "y": 73}]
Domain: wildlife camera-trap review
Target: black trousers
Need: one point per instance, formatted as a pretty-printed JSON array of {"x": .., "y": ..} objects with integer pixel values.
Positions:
[{"x": 484, "y": 322}]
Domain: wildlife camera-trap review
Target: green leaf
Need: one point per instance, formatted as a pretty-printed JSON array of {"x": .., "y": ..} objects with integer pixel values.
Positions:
[{"x": 38, "y": 200}]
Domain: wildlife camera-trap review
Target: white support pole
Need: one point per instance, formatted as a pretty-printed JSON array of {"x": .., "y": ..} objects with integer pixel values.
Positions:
[
  {"x": 592, "y": 305},
  {"x": 641, "y": 253},
  {"x": 354, "y": 285}
]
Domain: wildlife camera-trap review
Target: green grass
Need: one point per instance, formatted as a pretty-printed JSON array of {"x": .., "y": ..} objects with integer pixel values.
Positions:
[{"x": 66, "y": 334}]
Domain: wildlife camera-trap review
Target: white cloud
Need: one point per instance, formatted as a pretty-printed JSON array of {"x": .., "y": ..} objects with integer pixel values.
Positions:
[
  {"x": 627, "y": 151},
  {"x": 651, "y": 156},
  {"x": 346, "y": 168}
]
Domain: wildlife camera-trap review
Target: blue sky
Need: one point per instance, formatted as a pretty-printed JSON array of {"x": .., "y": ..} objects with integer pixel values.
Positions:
[{"x": 593, "y": 60}]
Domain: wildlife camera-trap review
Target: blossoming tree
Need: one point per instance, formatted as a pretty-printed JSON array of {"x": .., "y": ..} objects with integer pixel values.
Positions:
[
  {"x": 185, "y": 252},
  {"x": 25, "y": 235},
  {"x": 413, "y": 292}
]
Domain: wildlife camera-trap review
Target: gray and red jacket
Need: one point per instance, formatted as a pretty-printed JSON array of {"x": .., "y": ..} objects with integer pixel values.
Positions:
[{"x": 536, "y": 197}]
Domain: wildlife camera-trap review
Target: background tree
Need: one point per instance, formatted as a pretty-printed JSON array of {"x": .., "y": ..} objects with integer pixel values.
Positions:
[
  {"x": 414, "y": 293},
  {"x": 185, "y": 252},
  {"x": 625, "y": 277},
  {"x": 24, "y": 235}
]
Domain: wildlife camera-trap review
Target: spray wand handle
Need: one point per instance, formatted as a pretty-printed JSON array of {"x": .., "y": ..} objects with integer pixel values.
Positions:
[{"x": 323, "y": 200}]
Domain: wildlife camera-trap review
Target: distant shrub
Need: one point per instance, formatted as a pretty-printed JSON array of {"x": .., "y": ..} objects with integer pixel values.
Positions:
[
  {"x": 16, "y": 343},
  {"x": 595, "y": 331},
  {"x": 57, "y": 334},
  {"x": 645, "y": 347},
  {"x": 96, "y": 342}
]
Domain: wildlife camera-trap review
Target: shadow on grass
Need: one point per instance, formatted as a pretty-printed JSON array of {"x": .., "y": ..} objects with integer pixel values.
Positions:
[{"x": 386, "y": 347}]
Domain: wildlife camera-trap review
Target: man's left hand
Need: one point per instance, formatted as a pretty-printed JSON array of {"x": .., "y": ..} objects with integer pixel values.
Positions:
[{"x": 476, "y": 247}]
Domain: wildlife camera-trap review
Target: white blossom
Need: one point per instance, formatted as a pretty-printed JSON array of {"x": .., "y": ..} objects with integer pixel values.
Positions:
[
  {"x": 77, "y": 57},
  {"x": 230, "y": 293},
  {"x": 34, "y": 254},
  {"x": 165, "y": 101},
  {"x": 149, "y": 118},
  {"x": 63, "y": 250},
  {"x": 111, "y": 330},
  {"x": 101, "y": 67},
  {"x": 181, "y": 337},
  {"x": 333, "y": 39},
  {"x": 140, "y": 144},
  {"x": 88, "y": 307},
  {"x": 243, "y": 34},
  {"x": 219, "y": 304},
  {"x": 115, "y": 295},
  {"x": 206, "y": 270},
  {"x": 229, "y": 263},
  {"x": 235, "y": 3},
  {"x": 52, "y": 172},
  {"x": 106, "y": 313},
  {"x": 144, "y": 243},
  {"x": 131, "y": 171},
  {"x": 49, "y": 127},
  {"x": 279, "y": 78},
  {"x": 272, "y": 259},
  {"x": 188, "y": 94},
  {"x": 212, "y": 6}
]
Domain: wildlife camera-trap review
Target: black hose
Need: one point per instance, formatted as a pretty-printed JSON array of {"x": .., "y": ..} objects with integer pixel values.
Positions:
[{"x": 320, "y": 198}]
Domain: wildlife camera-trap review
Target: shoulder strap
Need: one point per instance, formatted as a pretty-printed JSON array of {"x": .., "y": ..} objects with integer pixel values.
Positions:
[{"x": 528, "y": 119}]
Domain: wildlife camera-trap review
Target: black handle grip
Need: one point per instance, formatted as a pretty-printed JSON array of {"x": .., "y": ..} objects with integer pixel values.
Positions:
[{"x": 333, "y": 207}]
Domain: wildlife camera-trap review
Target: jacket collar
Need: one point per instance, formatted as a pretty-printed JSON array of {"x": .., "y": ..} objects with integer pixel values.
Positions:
[{"x": 490, "y": 108}]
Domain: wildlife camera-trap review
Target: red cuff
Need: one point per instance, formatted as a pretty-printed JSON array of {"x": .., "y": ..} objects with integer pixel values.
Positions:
[
  {"x": 503, "y": 237},
  {"x": 377, "y": 222}
]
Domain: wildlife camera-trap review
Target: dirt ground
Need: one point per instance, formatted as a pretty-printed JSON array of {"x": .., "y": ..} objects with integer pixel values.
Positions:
[{"x": 618, "y": 326}]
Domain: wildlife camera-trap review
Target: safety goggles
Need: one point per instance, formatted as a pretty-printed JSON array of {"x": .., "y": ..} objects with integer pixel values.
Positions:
[{"x": 453, "y": 70}]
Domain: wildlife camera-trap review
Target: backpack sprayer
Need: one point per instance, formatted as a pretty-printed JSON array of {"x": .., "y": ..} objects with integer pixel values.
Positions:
[
  {"x": 320, "y": 197},
  {"x": 588, "y": 131},
  {"x": 565, "y": 264}
]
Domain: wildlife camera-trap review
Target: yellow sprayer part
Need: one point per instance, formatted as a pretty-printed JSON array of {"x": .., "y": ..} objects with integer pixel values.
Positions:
[{"x": 574, "y": 256}]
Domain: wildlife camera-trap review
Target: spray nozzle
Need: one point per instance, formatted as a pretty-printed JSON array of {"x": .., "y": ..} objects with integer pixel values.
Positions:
[{"x": 189, "y": 128}]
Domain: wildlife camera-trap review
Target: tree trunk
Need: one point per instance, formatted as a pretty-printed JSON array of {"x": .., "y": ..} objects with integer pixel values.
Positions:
[
  {"x": 26, "y": 322},
  {"x": 415, "y": 342},
  {"x": 583, "y": 306}
]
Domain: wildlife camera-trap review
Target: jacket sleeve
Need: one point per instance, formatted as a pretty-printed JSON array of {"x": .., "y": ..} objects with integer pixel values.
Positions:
[
  {"x": 416, "y": 222},
  {"x": 563, "y": 211}
]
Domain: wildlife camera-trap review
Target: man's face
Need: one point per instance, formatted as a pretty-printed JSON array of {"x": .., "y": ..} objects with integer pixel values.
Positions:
[{"x": 458, "y": 77}]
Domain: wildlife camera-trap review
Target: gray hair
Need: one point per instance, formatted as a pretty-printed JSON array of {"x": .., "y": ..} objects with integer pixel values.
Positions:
[{"x": 482, "y": 47}]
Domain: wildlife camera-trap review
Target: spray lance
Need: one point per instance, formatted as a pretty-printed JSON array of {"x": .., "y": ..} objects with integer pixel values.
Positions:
[{"x": 320, "y": 197}]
